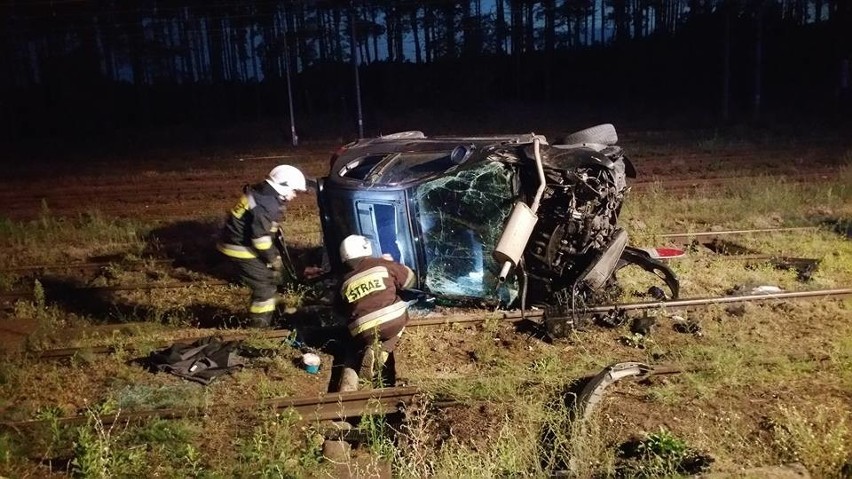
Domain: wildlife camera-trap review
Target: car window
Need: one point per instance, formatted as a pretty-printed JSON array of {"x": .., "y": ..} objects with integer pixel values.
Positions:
[
  {"x": 360, "y": 168},
  {"x": 384, "y": 224},
  {"x": 461, "y": 217},
  {"x": 413, "y": 166}
]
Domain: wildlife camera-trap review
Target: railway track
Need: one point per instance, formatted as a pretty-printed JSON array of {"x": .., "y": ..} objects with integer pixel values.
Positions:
[
  {"x": 690, "y": 184},
  {"x": 28, "y": 295},
  {"x": 508, "y": 316},
  {"x": 319, "y": 407},
  {"x": 84, "y": 265}
]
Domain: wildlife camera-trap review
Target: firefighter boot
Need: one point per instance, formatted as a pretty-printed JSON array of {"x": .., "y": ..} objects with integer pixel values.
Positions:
[
  {"x": 372, "y": 365},
  {"x": 348, "y": 380}
]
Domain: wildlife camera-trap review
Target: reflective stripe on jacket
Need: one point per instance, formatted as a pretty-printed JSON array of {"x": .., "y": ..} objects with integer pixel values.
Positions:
[
  {"x": 369, "y": 293},
  {"x": 251, "y": 223}
]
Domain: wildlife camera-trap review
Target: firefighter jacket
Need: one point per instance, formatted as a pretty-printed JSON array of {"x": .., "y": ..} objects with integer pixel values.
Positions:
[
  {"x": 251, "y": 224},
  {"x": 369, "y": 295}
]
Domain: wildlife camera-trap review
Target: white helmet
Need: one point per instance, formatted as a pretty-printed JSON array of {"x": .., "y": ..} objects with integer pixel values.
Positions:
[
  {"x": 286, "y": 180},
  {"x": 354, "y": 247}
]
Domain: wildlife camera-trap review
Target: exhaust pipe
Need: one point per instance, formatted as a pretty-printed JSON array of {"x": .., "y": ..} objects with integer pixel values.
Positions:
[{"x": 510, "y": 248}]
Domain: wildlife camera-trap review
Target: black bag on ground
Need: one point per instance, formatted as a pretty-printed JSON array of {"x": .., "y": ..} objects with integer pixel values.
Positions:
[{"x": 201, "y": 361}]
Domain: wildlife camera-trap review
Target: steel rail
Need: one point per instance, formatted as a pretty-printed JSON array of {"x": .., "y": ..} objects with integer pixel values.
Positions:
[
  {"x": 320, "y": 407},
  {"x": 70, "y": 289},
  {"x": 508, "y": 316},
  {"x": 68, "y": 352},
  {"x": 681, "y": 188},
  {"x": 84, "y": 265},
  {"x": 515, "y": 316},
  {"x": 713, "y": 234}
]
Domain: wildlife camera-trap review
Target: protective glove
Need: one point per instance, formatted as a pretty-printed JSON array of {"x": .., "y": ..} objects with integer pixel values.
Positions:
[
  {"x": 312, "y": 272},
  {"x": 277, "y": 264}
]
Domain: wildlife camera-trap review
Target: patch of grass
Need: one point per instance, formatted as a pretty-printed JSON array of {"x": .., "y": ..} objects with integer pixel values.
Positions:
[
  {"x": 662, "y": 454},
  {"x": 816, "y": 436},
  {"x": 568, "y": 443},
  {"x": 142, "y": 396},
  {"x": 379, "y": 436},
  {"x": 276, "y": 448},
  {"x": 665, "y": 393},
  {"x": 171, "y": 447},
  {"x": 8, "y": 281},
  {"x": 8, "y": 449},
  {"x": 510, "y": 451},
  {"x": 98, "y": 452},
  {"x": 840, "y": 356},
  {"x": 752, "y": 203},
  {"x": 272, "y": 388},
  {"x": 89, "y": 234}
]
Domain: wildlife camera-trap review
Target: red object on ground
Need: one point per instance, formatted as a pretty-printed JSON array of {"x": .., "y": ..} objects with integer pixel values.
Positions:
[{"x": 665, "y": 253}]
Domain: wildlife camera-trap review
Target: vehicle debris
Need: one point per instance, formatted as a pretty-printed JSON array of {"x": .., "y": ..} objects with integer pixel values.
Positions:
[
  {"x": 682, "y": 325},
  {"x": 201, "y": 362},
  {"x": 804, "y": 267},
  {"x": 643, "y": 325}
]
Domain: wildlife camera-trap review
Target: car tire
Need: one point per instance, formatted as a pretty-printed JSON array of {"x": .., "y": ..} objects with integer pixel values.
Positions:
[{"x": 603, "y": 134}]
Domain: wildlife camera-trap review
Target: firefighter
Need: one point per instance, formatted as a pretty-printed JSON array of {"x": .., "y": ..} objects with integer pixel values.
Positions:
[
  {"x": 247, "y": 237},
  {"x": 375, "y": 313}
]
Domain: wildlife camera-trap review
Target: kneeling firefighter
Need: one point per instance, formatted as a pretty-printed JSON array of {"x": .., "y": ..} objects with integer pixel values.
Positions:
[
  {"x": 375, "y": 313},
  {"x": 247, "y": 237}
]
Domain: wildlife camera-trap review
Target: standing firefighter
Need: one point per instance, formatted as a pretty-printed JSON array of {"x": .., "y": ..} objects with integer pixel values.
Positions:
[
  {"x": 373, "y": 309},
  {"x": 247, "y": 238}
]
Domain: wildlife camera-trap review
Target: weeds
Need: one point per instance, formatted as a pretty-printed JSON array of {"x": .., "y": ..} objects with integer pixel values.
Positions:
[
  {"x": 379, "y": 436},
  {"x": 275, "y": 448},
  {"x": 7, "y": 449},
  {"x": 817, "y": 437},
  {"x": 413, "y": 456},
  {"x": 99, "y": 454},
  {"x": 56, "y": 438},
  {"x": 662, "y": 454},
  {"x": 51, "y": 239}
]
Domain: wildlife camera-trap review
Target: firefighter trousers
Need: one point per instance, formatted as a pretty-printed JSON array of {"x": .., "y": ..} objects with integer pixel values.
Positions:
[{"x": 254, "y": 273}]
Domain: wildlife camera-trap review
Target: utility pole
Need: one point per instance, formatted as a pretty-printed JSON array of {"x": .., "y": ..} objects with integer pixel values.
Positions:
[
  {"x": 355, "y": 62},
  {"x": 758, "y": 62},
  {"x": 726, "y": 62},
  {"x": 293, "y": 134}
]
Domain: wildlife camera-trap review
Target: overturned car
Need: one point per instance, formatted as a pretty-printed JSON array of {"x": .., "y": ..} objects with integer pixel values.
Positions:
[{"x": 492, "y": 219}]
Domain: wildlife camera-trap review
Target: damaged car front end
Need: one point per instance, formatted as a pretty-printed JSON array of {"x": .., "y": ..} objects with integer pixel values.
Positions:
[{"x": 492, "y": 219}]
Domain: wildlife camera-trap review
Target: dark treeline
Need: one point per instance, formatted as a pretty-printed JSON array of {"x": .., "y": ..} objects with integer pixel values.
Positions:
[{"x": 77, "y": 66}]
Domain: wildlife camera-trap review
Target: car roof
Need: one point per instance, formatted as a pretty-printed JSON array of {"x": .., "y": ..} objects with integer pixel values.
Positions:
[{"x": 411, "y": 157}]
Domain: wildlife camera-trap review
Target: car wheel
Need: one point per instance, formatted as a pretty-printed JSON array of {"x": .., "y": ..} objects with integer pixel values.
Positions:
[{"x": 603, "y": 134}]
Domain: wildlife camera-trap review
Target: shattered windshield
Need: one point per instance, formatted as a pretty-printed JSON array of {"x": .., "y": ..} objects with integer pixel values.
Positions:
[{"x": 461, "y": 217}]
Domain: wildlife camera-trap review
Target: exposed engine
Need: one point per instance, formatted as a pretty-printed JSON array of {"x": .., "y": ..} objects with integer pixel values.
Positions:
[{"x": 578, "y": 215}]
